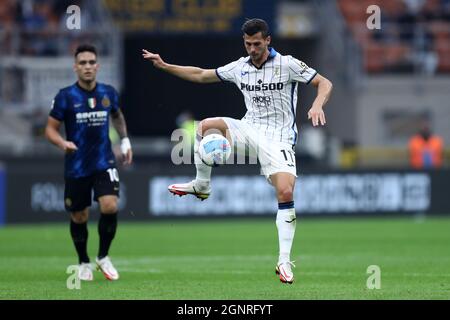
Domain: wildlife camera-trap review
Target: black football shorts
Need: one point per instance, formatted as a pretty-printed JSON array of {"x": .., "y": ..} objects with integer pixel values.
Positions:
[{"x": 78, "y": 191}]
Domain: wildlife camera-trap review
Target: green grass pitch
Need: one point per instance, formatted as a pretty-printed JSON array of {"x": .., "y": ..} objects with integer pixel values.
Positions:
[{"x": 223, "y": 259}]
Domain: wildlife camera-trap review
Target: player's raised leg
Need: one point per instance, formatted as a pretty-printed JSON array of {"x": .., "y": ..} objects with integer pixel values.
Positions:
[
  {"x": 286, "y": 222},
  {"x": 200, "y": 186},
  {"x": 107, "y": 226},
  {"x": 79, "y": 233}
]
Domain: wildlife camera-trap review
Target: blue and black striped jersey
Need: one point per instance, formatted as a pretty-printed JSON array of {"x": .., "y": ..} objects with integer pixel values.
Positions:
[{"x": 86, "y": 118}]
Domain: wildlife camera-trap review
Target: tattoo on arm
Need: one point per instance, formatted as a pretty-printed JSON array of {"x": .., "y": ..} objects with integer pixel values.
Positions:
[{"x": 119, "y": 123}]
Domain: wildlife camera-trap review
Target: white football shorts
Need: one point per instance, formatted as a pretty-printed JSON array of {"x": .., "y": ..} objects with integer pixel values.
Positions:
[{"x": 273, "y": 156}]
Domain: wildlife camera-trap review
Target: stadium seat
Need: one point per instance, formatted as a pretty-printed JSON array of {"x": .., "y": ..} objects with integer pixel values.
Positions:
[
  {"x": 390, "y": 49},
  {"x": 444, "y": 58}
]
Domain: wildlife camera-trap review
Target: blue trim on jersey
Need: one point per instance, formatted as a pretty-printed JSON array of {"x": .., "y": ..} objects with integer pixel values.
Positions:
[
  {"x": 272, "y": 54},
  {"x": 218, "y": 76},
  {"x": 286, "y": 205},
  {"x": 311, "y": 78},
  {"x": 293, "y": 111}
]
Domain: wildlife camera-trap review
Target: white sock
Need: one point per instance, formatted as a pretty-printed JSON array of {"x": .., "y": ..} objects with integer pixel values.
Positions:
[
  {"x": 286, "y": 221},
  {"x": 203, "y": 171}
]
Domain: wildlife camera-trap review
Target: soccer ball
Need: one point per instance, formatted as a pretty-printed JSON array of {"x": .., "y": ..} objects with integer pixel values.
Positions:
[{"x": 214, "y": 150}]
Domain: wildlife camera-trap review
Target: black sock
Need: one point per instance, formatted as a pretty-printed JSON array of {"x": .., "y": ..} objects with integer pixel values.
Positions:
[
  {"x": 107, "y": 226},
  {"x": 79, "y": 233}
]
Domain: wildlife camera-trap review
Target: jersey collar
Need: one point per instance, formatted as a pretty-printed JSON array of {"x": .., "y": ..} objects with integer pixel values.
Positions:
[
  {"x": 272, "y": 54},
  {"x": 87, "y": 91}
]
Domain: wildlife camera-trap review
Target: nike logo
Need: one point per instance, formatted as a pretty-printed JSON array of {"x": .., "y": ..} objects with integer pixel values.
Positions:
[
  {"x": 244, "y": 73},
  {"x": 77, "y": 105},
  {"x": 290, "y": 221}
]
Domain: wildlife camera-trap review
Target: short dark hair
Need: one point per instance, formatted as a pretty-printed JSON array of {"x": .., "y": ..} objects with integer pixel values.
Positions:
[
  {"x": 253, "y": 26},
  {"x": 85, "y": 48}
]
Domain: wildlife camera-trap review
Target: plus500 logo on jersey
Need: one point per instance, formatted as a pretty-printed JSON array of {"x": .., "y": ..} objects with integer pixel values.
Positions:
[{"x": 262, "y": 86}]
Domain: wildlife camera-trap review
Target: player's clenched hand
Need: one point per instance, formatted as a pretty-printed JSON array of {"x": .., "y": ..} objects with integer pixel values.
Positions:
[
  {"x": 69, "y": 147},
  {"x": 125, "y": 148},
  {"x": 128, "y": 157},
  {"x": 317, "y": 116},
  {"x": 153, "y": 57}
]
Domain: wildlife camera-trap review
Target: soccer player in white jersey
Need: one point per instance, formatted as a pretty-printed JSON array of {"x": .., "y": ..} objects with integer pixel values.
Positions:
[{"x": 268, "y": 81}]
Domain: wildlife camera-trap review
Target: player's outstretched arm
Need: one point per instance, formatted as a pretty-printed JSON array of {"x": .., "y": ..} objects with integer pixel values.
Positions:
[
  {"x": 324, "y": 88},
  {"x": 53, "y": 135},
  {"x": 193, "y": 74}
]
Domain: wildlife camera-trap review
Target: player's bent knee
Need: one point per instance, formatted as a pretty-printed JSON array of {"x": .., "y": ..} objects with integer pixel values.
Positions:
[
  {"x": 80, "y": 216},
  {"x": 212, "y": 125},
  {"x": 206, "y": 126},
  {"x": 285, "y": 194},
  {"x": 109, "y": 207},
  {"x": 200, "y": 126}
]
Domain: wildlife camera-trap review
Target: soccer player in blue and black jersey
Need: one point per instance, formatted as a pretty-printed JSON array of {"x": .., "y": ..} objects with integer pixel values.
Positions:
[{"x": 85, "y": 109}]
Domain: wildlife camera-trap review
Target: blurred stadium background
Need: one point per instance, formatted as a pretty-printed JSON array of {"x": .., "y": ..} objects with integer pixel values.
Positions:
[{"x": 387, "y": 82}]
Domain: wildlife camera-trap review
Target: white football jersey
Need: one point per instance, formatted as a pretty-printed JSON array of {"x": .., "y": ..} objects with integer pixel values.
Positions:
[{"x": 270, "y": 92}]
